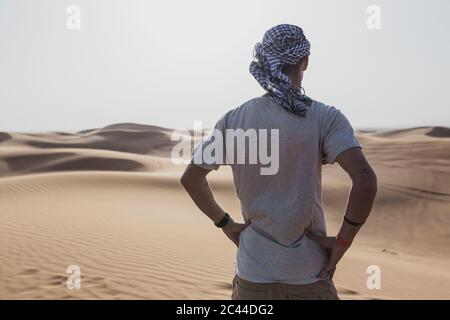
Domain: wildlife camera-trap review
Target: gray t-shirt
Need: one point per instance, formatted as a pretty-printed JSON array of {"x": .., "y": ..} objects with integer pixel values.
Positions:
[{"x": 280, "y": 206}]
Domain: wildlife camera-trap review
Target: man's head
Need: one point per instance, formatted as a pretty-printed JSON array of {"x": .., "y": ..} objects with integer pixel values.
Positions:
[{"x": 280, "y": 60}]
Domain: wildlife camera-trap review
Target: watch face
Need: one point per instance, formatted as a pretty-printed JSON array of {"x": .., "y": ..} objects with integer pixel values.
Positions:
[{"x": 224, "y": 221}]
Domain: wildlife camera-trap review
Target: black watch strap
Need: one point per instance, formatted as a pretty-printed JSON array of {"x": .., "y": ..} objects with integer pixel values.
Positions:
[
  {"x": 353, "y": 223},
  {"x": 223, "y": 222}
]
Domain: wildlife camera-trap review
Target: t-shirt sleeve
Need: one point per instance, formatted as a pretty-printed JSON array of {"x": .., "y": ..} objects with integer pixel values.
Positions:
[
  {"x": 209, "y": 154},
  {"x": 337, "y": 135}
]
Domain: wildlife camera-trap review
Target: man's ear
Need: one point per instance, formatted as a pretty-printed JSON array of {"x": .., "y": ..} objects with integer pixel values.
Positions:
[{"x": 305, "y": 62}]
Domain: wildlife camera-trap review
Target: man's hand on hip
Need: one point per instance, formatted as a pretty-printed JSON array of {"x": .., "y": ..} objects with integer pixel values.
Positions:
[
  {"x": 233, "y": 230},
  {"x": 336, "y": 251}
]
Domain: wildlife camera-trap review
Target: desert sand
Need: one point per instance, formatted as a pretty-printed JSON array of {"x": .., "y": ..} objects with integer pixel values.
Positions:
[{"x": 109, "y": 201}]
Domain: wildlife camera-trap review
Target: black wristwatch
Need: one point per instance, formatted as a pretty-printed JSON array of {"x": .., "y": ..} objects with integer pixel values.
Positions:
[{"x": 223, "y": 222}]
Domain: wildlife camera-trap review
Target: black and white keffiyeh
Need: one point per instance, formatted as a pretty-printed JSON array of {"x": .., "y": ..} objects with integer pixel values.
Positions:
[{"x": 283, "y": 44}]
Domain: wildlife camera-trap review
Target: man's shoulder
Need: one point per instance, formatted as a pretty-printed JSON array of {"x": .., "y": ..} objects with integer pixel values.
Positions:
[
  {"x": 318, "y": 106},
  {"x": 321, "y": 107},
  {"x": 254, "y": 101},
  {"x": 325, "y": 113},
  {"x": 245, "y": 106},
  {"x": 319, "y": 110}
]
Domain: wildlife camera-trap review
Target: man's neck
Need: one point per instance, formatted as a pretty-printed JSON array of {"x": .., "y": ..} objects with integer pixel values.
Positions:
[{"x": 295, "y": 80}]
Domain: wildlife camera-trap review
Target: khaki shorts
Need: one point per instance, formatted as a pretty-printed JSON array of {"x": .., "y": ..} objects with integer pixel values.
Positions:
[{"x": 246, "y": 290}]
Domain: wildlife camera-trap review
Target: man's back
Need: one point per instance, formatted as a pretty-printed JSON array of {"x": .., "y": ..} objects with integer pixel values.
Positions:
[{"x": 282, "y": 204}]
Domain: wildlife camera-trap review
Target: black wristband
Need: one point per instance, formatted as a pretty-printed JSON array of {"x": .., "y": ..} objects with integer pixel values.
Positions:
[
  {"x": 223, "y": 222},
  {"x": 352, "y": 223}
]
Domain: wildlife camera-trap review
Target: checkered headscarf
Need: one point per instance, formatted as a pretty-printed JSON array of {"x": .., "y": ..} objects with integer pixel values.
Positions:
[{"x": 283, "y": 44}]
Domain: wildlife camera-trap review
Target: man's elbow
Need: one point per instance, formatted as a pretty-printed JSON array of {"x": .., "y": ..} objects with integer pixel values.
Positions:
[
  {"x": 185, "y": 179},
  {"x": 190, "y": 177}
]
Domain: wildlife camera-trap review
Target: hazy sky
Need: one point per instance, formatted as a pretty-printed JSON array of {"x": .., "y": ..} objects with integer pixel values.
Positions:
[{"x": 172, "y": 62}]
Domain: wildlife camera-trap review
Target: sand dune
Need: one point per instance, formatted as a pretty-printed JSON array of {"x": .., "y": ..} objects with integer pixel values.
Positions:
[
  {"x": 120, "y": 147},
  {"x": 437, "y": 132},
  {"x": 109, "y": 201}
]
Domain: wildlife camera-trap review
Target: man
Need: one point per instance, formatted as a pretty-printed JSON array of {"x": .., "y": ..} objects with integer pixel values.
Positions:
[{"x": 275, "y": 260}]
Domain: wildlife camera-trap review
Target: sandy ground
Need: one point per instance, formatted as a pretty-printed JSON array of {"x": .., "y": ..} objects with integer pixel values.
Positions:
[{"x": 109, "y": 201}]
